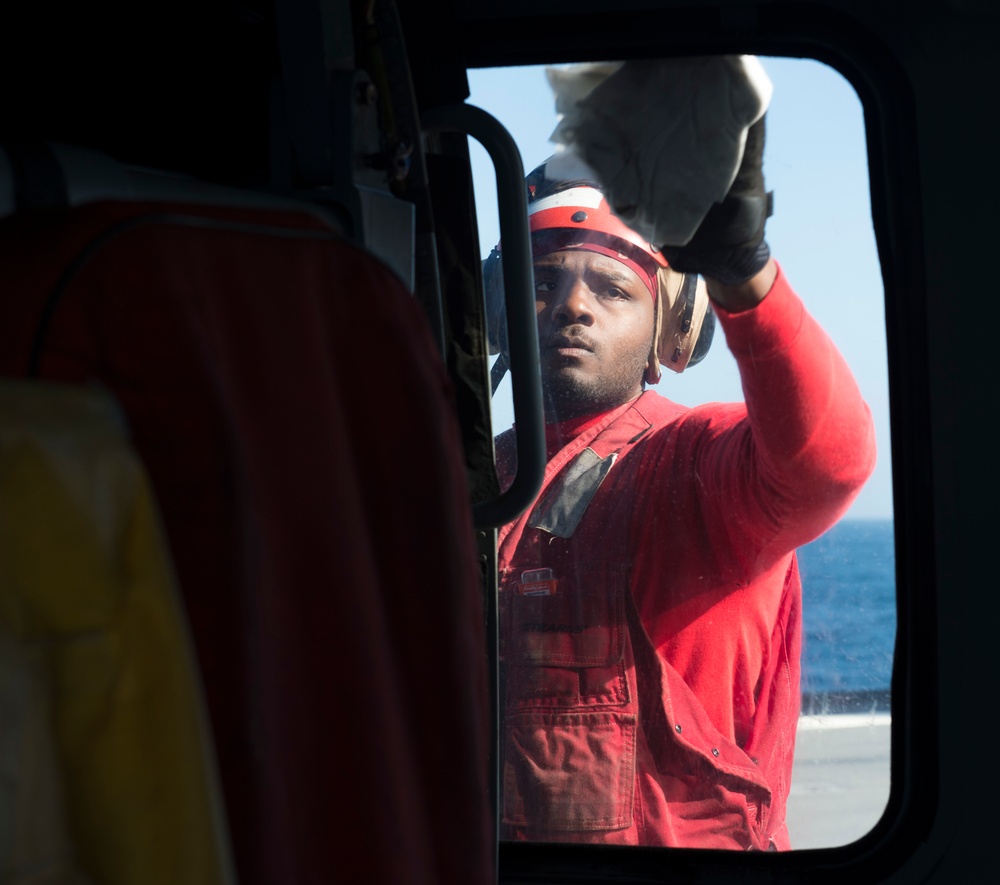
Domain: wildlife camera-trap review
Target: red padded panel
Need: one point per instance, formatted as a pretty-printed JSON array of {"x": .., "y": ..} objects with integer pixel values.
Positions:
[{"x": 298, "y": 428}]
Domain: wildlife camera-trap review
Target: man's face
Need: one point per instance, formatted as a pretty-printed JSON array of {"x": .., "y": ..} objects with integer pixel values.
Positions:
[{"x": 595, "y": 331}]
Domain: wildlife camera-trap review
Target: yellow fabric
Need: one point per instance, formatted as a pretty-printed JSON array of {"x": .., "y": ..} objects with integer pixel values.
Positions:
[{"x": 105, "y": 757}]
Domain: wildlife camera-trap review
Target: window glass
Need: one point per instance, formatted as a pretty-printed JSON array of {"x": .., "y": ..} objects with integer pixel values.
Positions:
[{"x": 821, "y": 234}]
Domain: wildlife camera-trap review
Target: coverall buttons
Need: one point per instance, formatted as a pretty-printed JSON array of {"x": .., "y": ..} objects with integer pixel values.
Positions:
[
  {"x": 715, "y": 752},
  {"x": 679, "y": 729}
]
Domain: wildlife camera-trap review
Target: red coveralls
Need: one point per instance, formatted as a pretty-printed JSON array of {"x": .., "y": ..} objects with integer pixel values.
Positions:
[{"x": 652, "y": 682}]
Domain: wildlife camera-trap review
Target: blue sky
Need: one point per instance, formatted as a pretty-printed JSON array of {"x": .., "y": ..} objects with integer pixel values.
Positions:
[{"x": 815, "y": 161}]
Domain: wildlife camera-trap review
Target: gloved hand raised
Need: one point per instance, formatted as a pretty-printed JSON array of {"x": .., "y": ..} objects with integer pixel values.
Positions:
[
  {"x": 729, "y": 245},
  {"x": 677, "y": 145}
]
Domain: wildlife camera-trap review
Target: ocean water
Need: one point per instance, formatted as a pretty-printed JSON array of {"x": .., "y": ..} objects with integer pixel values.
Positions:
[{"x": 849, "y": 614}]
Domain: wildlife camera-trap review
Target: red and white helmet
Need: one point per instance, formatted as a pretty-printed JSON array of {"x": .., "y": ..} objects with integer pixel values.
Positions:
[{"x": 569, "y": 211}]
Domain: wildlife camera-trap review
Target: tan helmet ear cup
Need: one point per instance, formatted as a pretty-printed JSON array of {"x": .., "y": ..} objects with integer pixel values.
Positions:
[
  {"x": 681, "y": 306},
  {"x": 652, "y": 375}
]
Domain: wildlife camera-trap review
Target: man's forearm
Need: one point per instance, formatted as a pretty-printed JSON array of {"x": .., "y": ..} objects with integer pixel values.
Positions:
[
  {"x": 742, "y": 296},
  {"x": 813, "y": 441}
]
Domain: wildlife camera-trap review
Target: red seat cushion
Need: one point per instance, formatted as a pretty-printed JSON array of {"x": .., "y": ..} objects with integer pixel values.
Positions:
[{"x": 298, "y": 428}]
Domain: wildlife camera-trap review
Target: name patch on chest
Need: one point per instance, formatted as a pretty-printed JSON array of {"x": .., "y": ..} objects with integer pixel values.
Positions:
[{"x": 553, "y": 628}]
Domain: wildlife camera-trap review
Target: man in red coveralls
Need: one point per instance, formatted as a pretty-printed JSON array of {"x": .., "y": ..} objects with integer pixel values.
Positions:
[{"x": 650, "y": 597}]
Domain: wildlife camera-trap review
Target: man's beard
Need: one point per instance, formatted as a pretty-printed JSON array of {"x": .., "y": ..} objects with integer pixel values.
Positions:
[{"x": 567, "y": 395}]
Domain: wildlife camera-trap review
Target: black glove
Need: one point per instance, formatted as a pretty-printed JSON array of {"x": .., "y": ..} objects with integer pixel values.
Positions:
[{"x": 729, "y": 243}]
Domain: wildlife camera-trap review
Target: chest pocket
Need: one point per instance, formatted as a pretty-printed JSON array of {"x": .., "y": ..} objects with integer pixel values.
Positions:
[
  {"x": 567, "y": 649},
  {"x": 570, "y": 726}
]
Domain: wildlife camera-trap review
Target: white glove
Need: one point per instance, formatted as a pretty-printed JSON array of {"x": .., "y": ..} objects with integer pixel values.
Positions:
[{"x": 664, "y": 137}]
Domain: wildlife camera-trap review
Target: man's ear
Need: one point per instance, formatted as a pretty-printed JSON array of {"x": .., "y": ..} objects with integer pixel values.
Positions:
[{"x": 652, "y": 374}]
